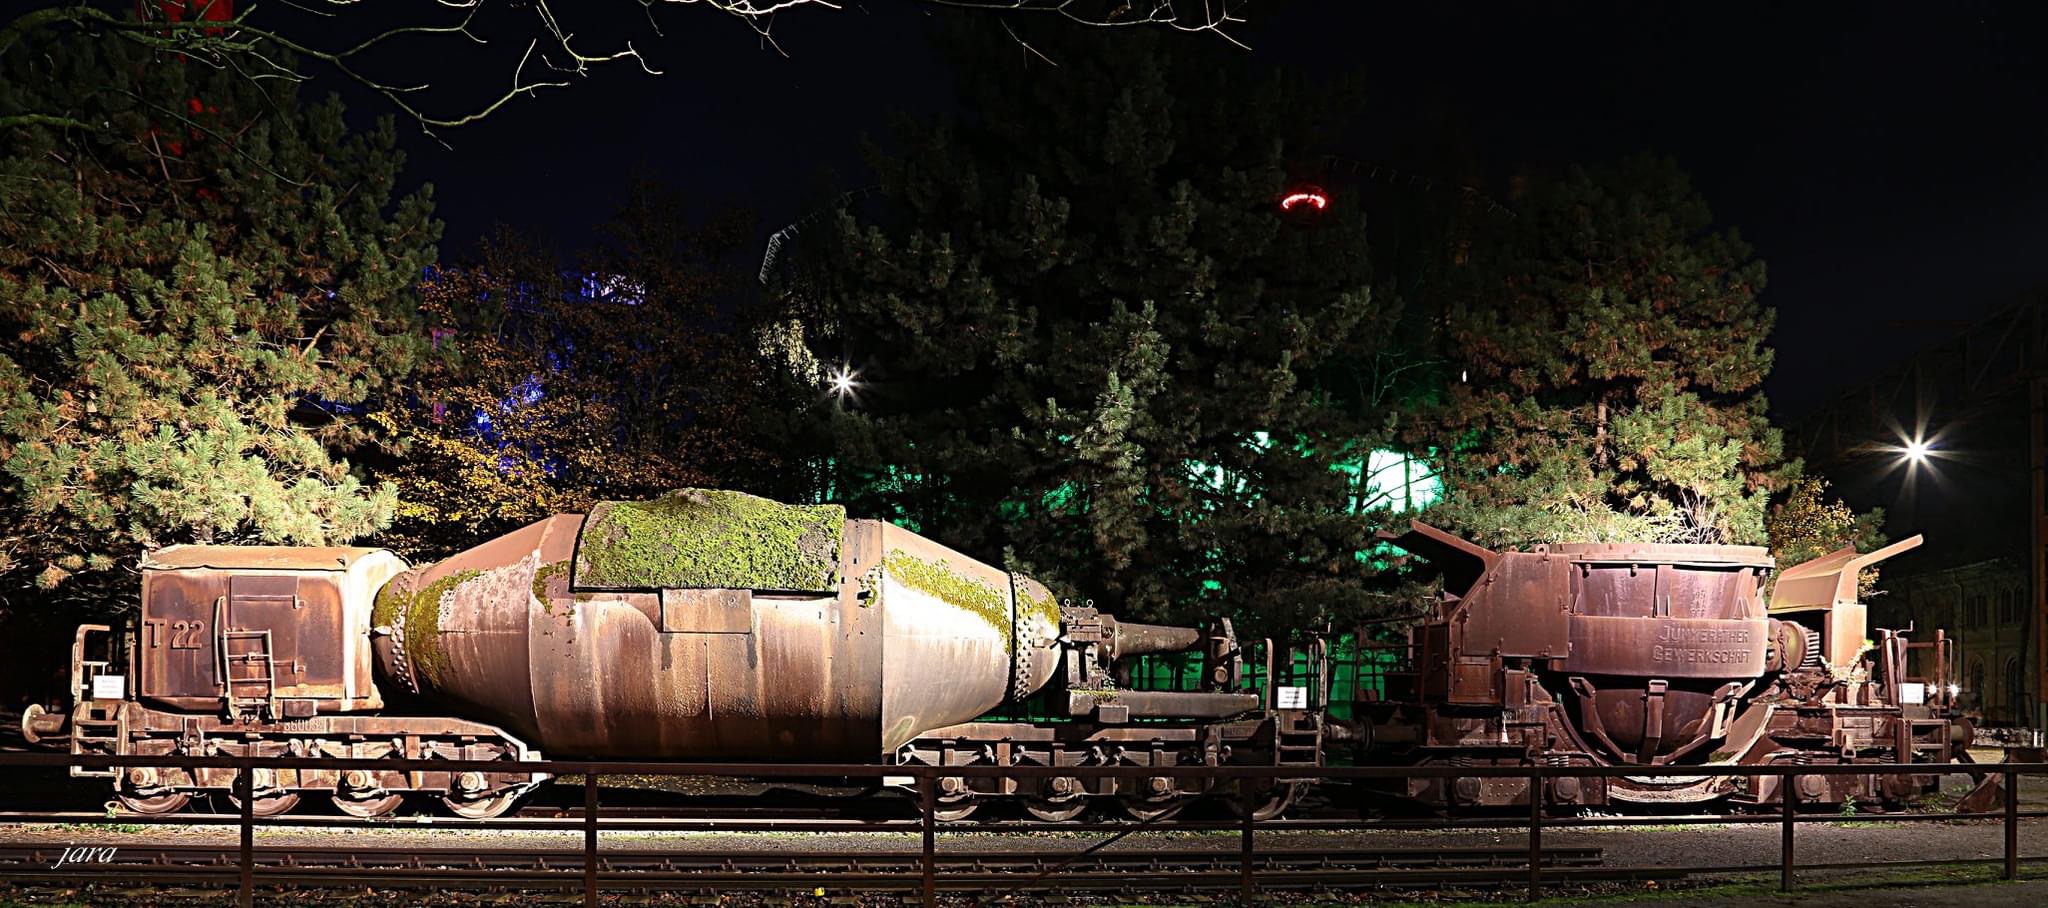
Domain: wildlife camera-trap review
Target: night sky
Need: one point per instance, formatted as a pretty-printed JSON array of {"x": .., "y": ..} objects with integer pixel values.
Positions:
[{"x": 1886, "y": 162}]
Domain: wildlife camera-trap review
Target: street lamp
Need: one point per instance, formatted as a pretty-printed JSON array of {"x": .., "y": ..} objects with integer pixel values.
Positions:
[
  {"x": 844, "y": 381},
  {"x": 1917, "y": 450}
]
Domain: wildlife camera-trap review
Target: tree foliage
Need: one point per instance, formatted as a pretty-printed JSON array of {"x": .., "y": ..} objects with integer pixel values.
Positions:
[
  {"x": 623, "y": 377},
  {"x": 1086, "y": 335},
  {"x": 1806, "y": 522},
  {"x": 1604, "y": 352},
  {"x": 192, "y": 317}
]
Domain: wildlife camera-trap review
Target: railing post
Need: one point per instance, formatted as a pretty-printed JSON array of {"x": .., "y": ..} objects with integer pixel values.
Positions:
[
  {"x": 1788, "y": 800},
  {"x": 590, "y": 839},
  {"x": 2012, "y": 825},
  {"x": 1245, "y": 840},
  {"x": 245, "y": 789},
  {"x": 928, "y": 806},
  {"x": 1536, "y": 832}
]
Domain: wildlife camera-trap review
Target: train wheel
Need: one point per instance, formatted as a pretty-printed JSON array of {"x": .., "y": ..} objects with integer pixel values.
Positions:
[
  {"x": 1156, "y": 798},
  {"x": 1057, "y": 800},
  {"x": 1269, "y": 801},
  {"x": 1056, "y": 811},
  {"x": 270, "y": 804},
  {"x": 139, "y": 779},
  {"x": 1148, "y": 809},
  {"x": 955, "y": 811},
  {"x": 489, "y": 807},
  {"x": 168, "y": 802},
  {"x": 369, "y": 806}
]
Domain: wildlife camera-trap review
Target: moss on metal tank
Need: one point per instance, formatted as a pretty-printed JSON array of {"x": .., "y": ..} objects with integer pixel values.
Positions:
[
  {"x": 542, "y": 578},
  {"x": 1046, "y": 606},
  {"x": 421, "y": 610},
  {"x": 941, "y": 582},
  {"x": 708, "y": 538}
]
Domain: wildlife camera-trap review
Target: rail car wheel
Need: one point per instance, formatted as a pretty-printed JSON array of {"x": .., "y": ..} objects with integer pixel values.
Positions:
[
  {"x": 269, "y": 804},
  {"x": 956, "y": 810},
  {"x": 270, "y": 800},
  {"x": 141, "y": 791},
  {"x": 1269, "y": 801},
  {"x": 1056, "y": 811},
  {"x": 167, "y": 802},
  {"x": 953, "y": 801},
  {"x": 1148, "y": 809},
  {"x": 1155, "y": 799},
  {"x": 368, "y": 806},
  {"x": 1057, "y": 800},
  {"x": 489, "y": 807}
]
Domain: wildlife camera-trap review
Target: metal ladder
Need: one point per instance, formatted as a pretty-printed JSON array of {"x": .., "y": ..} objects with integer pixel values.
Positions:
[
  {"x": 95, "y": 728},
  {"x": 1297, "y": 739},
  {"x": 249, "y": 678}
]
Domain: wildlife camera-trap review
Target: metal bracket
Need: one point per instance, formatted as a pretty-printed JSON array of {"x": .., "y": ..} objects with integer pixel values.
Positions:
[{"x": 1653, "y": 719}]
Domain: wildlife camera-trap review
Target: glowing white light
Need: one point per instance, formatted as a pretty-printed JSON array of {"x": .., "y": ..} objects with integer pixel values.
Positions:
[
  {"x": 843, "y": 381},
  {"x": 1917, "y": 450},
  {"x": 1954, "y": 689}
]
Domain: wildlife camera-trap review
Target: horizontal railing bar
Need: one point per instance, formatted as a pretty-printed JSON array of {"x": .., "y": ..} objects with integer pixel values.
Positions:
[{"x": 871, "y": 770}]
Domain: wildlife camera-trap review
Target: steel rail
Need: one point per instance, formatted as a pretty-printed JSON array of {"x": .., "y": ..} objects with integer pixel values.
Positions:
[
  {"x": 667, "y": 870},
  {"x": 157, "y": 855},
  {"x": 926, "y": 778}
]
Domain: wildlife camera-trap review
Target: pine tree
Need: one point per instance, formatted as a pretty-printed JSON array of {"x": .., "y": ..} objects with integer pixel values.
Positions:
[
  {"x": 1604, "y": 352},
  {"x": 1085, "y": 334},
  {"x": 199, "y": 298}
]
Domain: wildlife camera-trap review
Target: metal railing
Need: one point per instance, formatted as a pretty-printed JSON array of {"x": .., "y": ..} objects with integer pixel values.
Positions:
[{"x": 1241, "y": 781}]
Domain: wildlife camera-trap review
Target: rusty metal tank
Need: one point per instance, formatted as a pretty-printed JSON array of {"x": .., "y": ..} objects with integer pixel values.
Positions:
[
  {"x": 1649, "y": 647},
  {"x": 1662, "y": 636},
  {"x": 716, "y": 625}
]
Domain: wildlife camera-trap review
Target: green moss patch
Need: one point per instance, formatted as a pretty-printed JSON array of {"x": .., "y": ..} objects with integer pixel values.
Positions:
[
  {"x": 709, "y": 538},
  {"x": 542, "y": 578},
  {"x": 1046, "y": 606},
  {"x": 937, "y": 580},
  {"x": 422, "y": 611}
]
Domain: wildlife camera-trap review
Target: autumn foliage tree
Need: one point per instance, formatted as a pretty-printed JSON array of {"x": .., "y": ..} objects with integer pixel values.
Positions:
[
  {"x": 198, "y": 298},
  {"x": 1807, "y": 522},
  {"x": 624, "y": 374},
  {"x": 1604, "y": 351}
]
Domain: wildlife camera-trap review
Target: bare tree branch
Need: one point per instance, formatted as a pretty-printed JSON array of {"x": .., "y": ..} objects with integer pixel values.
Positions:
[{"x": 256, "y": 48}]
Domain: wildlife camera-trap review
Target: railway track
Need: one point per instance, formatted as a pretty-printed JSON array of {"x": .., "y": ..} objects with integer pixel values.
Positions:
[{"x": 672, "y": 870}]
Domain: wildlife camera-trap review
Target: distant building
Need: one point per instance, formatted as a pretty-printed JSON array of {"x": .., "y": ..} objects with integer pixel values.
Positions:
[
  {"x": 1977, "y": 400},
  {"x": 1983, "y": 606}
]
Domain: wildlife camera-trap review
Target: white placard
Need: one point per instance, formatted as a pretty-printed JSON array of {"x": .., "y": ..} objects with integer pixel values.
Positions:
[
  {"x": 1912, "y": 693},
  {"x": 109, "y": 687},
  {"x": 1291, "y": 698}
]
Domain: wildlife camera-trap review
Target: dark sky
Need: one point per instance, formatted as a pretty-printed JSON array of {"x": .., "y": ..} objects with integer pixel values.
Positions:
[{"x": 1887, "y": 162}]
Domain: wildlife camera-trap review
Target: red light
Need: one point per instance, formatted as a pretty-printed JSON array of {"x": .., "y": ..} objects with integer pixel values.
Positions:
[{"x": 1307, "y": 195}]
